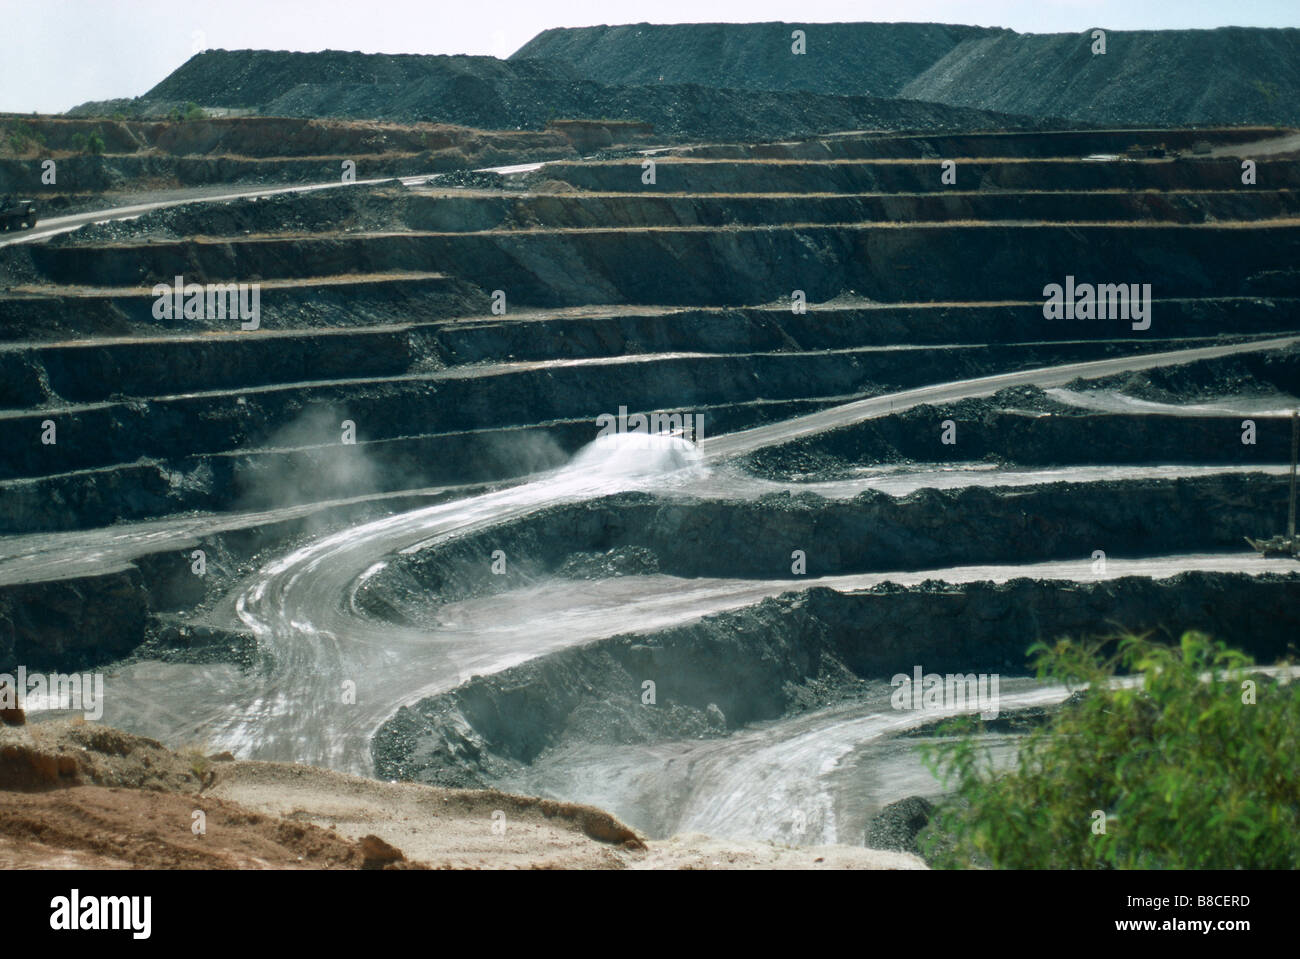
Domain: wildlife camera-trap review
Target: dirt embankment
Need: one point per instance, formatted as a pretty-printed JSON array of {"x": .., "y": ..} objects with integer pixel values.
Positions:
[
  {"x": 800, "y": 652},
  {"x": 78, "y": 795},
  {"x": 106, "y": 155},
  {"x": 261, "y": 137}
]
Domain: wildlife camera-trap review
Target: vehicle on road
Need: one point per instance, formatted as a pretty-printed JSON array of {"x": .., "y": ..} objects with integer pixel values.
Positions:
[
  {"x": 1288, "y": 545},
  {"x": 16, "y": 214}
]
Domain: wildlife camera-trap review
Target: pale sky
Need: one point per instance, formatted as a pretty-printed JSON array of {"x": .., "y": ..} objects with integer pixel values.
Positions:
[{"x": 58, "y": 53}]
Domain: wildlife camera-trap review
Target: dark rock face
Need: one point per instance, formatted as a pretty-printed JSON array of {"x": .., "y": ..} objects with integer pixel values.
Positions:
[
  {"x": 1049, "y": 434},
  {"x": 72, "y": 624},
  {"x": 897, "y": 825},
  {"x": 928, "y": 529},
  {"x": 793, "y": 653},
  {"x": 730, "y": 266}
]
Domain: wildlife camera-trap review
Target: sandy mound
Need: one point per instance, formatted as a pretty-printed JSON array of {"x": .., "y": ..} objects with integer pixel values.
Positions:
[
  {"x": 705, "y": 852},
  {"x": 76, "y": 753},
  {"x": 446, "y": 828},
  {"x": 110, "y": 827},
  {"x": 77, "y": 795}
]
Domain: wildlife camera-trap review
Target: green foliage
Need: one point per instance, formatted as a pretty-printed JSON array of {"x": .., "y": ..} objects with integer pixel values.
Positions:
[
  {"x": 23, "y": 136},
  {"x": 83, "y": 143},
  {"x": 191, "y": 111},
  {"x": 1188, "y": 774}
]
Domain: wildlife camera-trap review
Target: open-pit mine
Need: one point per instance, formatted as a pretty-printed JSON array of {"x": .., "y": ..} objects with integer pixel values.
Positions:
[{"x": 628, "y": 462}]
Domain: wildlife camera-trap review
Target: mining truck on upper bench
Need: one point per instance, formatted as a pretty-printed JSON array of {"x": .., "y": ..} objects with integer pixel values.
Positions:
[
  {"x": 17, "y": 214},
  {"x": 1287, "y": 545}
]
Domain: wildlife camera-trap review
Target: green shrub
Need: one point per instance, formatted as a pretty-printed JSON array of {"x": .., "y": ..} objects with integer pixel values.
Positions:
[
  {"x": 87, "y": 143},
  {"x": 1189, "y": 773},
  {"x": 24, "y": 136}
]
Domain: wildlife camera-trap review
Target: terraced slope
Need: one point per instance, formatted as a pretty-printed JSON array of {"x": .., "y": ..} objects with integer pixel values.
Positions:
[
  {"x": 877, "y": 59},
  {"x": 1228, "y": 75},
  {"x": 158, "y": 157},
  {"x": 879, "y": 386},
  {"x": 1167, "y": 77},
  {"x": 484, "y": 92}
]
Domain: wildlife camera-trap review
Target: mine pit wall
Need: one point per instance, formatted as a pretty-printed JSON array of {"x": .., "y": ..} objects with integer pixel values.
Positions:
[
  {"x": 90, "y": 371},
  {"x": 825, "y": 327},
  {"x": 1029, "y": 439},
  {"x": 795, "y": 653},
  {"x": 903, "y": 176},
  {"x": 1048, "y": 143},
  {"x": 72, "y": 625},
  {"x": 255, "y": 479},
  {"x": 134, "y": 460},
  {"x": 32, "y": 376},
  {"x": 83, "y": 500},
  {"x": 732, "y": 267},
  {"x": 36, "y": 317},
  {"x": 90, "y": 621},
  {"x": 907, "y": 264},
  {"x": 643, "y": 209},
  {"x": 455, "y": 212},
  {"x": 874, "y": 532},
  {"x": 40, "y": 376},
  {"x": 278, "y": 478},
  {"x": 86, "y": 621},
  {"x": 183, "y": 425},
  {"x": 272, "y": 478},
  {"x": 1272, "y": 371},
  {"x": 116, "y": 172},
  {"x": 269, "y": 136}
]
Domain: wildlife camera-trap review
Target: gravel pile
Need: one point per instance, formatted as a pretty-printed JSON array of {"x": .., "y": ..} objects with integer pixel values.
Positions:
[
  {"x": 487, "y": 93},
  {"x": 1161, "y": 78},
  {"x": 1166, "y": 77},
  {"x": 876, "y": 59}
]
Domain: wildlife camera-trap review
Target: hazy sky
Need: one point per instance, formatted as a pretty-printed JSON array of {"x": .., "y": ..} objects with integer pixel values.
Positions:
[{"x": 58, "y": 53}]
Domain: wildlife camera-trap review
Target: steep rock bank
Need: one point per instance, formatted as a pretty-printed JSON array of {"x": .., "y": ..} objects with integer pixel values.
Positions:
[
  {"x": 928, "y": 529},
  {"x": 799, "y": 652}
]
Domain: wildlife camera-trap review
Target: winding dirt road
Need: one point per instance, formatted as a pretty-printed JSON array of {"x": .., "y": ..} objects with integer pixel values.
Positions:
[{"x": 301, "y": 607}]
